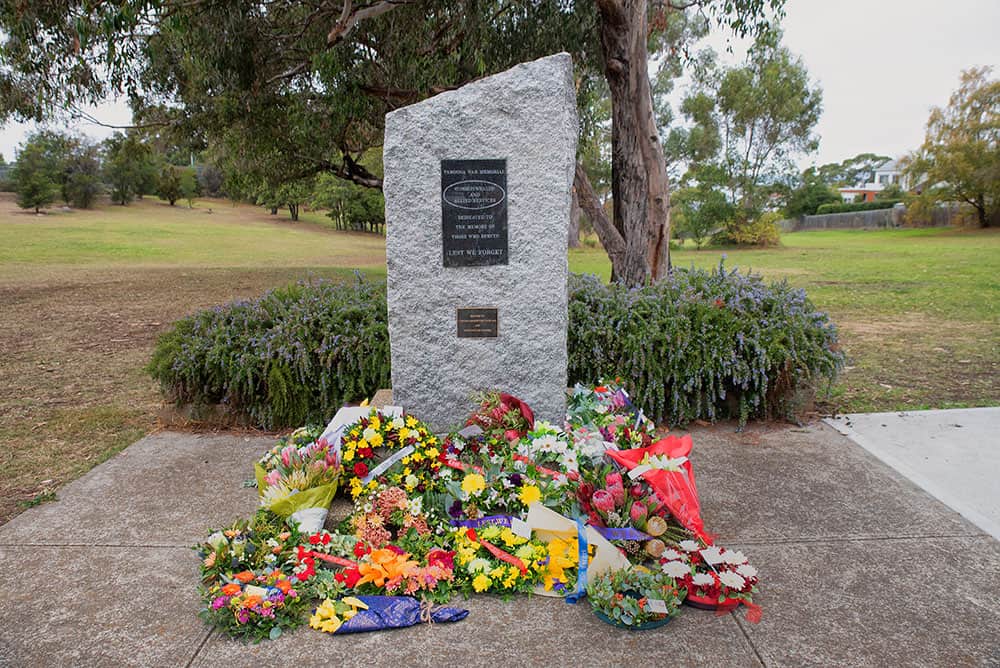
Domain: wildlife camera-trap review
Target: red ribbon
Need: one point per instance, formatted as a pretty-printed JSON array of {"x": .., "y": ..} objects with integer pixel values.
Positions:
[
  {"x": 503, "y": 556},
  {"x": 459, "y": 466},
  {"x": 329, "y": 558}
]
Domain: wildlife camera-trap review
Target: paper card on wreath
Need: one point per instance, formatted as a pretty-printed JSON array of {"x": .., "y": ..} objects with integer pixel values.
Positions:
[{"x": 548, "y": 524}]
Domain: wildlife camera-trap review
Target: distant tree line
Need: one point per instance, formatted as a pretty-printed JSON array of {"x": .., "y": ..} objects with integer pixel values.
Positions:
[{"x": 54, "y": 166}]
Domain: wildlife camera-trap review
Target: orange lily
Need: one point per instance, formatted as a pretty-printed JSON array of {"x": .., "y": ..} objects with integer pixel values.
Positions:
[{"x": 382, "y": 565}]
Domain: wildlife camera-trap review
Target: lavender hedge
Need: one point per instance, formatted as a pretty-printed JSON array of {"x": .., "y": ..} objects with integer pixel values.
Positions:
[
  {"x": 293, "y": 356},
  {"x": 701, "y": 345}
]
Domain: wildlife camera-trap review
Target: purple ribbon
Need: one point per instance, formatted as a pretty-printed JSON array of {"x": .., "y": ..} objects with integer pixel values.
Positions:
[
  {"x": 496, "y": 520},
  {"x": 627, "y": 533}
]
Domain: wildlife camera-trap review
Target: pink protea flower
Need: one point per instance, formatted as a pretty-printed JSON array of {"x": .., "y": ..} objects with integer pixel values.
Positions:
[
  {"x": 637, "y": 513},
  {"x": 603, "y": 501},
  {"x": 272, "y": 478}
]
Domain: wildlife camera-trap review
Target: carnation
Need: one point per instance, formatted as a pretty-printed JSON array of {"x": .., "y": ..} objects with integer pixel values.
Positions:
[
  {"x": 747, "y": 571},
  {"x": 689, "y": 545},
  {"x": 703, "y": 580},
  {"x": 676, "y": 569},
  {"x": 672, "y": 555},
  {"x": 735, "y": 558},
  {"x": 732, "y": 580}
]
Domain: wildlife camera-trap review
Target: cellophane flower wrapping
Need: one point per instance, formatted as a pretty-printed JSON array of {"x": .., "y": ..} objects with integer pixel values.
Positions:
[
  {"x": 395, "y": 612},
  {"x": 298, "y": 478}
]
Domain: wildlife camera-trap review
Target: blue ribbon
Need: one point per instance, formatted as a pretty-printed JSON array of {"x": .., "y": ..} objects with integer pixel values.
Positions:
[
  {"x": 626, "y": 533},
  {"x": 496, "y": 520},
  {"x": 584, "y": 559}
]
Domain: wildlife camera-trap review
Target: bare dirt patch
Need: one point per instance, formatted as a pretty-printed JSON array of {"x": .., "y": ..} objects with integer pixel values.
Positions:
[{"x": 73, "y": 345}]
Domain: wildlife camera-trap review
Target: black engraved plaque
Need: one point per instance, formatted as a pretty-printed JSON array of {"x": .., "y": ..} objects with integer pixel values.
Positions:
[
  {"x": 478, "y": 323},
  {"x": 474, "y": 212}
]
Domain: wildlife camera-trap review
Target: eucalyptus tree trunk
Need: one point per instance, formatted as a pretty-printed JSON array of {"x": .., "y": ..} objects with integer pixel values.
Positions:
[
  {"x": 574, "y": 222},
  {"x": 638, "y": 238}
]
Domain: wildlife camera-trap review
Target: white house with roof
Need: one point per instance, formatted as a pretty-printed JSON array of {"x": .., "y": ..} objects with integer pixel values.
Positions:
[{"x": 887, "y": 173}]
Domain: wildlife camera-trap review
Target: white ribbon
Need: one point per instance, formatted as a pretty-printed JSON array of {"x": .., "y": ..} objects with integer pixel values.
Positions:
[{"x": 384, "y": 466}]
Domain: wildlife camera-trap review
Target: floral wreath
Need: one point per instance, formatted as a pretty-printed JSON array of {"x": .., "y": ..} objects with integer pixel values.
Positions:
[
  {"x": 712, "y": 575},
  {"x": 634, "y": 597},
  {"x": 495, "y": 559},
  {"x": 367, "y": 452}
]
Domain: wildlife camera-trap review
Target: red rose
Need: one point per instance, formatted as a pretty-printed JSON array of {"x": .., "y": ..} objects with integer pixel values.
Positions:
[
  {"x": 471, "y": 535},
  {"x": 361, "y": 469},
  {"x": 314, "y": 539},
  {"x": 360, "y": 549},
  {"x": 366, "y": 452},
  {"x": 326, "y": 539}
]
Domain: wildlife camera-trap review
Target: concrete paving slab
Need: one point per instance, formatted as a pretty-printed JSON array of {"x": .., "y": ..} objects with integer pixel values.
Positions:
[
  {"x": 906, "y": 602},
  {"x": 782, "y": 483},
  {"x": 953, "y": 454},
  {"x": 164, "y": 490},
  {"x": 525, "y": 632},
  {"x": 843, "y": 542},
  {"x": 98, "y": 606}
]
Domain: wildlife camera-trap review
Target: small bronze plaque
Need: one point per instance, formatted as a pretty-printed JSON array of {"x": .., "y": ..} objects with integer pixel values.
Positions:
[{"x": 478, "y": 323}]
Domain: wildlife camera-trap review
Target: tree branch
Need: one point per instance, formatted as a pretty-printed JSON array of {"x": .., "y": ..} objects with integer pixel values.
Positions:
[
  {"x": 350, "y": 17},
  {"x": 610, "y": 237}
]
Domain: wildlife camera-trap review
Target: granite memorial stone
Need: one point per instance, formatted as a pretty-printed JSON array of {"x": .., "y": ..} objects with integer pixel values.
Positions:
[{"x": 478, "y": 194}]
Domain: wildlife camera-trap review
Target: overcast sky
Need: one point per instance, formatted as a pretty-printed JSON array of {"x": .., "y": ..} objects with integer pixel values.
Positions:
[{"x": 882, "y": 65}]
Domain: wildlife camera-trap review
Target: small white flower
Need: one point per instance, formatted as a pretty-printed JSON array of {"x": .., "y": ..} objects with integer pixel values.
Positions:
[
  {"x": 369, "y": 433},
  {"x": 712, "y": 555},
  {"x": 676, "y": 569},
  {"x": 689, "y": 545},
  {"x": 545, "y": 443},
  {"x": 398, "y": 423},
  {"x": 703, "y": 580},
  {"x": 735, "y": 558},
  {"x": 601, "y": 408},
  {"x": 672, "y": 555},
  {"x": 747, "y": 571},
  {"x": 732, "y": 580}
]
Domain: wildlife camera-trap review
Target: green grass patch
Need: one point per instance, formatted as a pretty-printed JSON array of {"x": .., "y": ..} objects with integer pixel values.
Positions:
[
  {"x": 151, "y": 233},
  {"x": 942, "y": 273}
]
